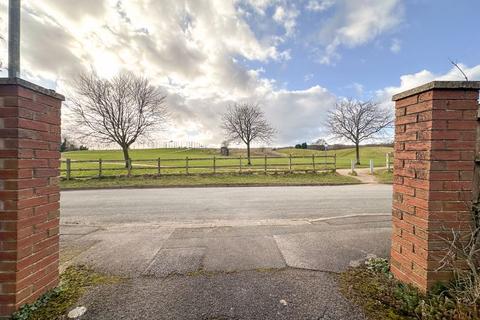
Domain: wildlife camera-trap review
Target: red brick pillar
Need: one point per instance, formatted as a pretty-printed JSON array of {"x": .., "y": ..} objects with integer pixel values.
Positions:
[
  {"x": 29, "y": 192},
  {"x": 435, "y": 141}
]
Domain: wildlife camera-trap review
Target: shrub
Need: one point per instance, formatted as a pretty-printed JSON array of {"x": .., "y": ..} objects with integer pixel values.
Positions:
[{"x": 373, "y": 287}]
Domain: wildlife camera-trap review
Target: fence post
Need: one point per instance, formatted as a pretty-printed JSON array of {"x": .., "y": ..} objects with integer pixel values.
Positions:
[
  {"x": 334, "y": 162},
  {"x": 313, "y": 163},
  {"x": 186, "y": 165},
  {"x": 290, "y": 163},
  {"x": 388, "y": 161},
  {"x": 100, "y": 167},
  {"x": 129, "y": 167},
  {"x": 159, "y": 167},
  {"x": 214, "y": 164},
  {"x": 371, "y": 166},
  {"x": 352, "y": 166},
  {"x": 265, "y": 164},
  {"x": 240, "y": 164},
  {"x": 69, "y": 168}
]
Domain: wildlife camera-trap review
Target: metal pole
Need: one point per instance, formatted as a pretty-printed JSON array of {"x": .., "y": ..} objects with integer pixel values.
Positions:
[
  {"x": 371, "y": 166},
  {"x": 14, "y": 38},
  {"x": 352, "y": 165}
]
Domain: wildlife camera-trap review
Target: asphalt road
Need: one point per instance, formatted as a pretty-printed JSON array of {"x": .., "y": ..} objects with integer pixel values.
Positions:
[
  {"x": 224, "y": 253},
  {"x": 184, "y": 205}
]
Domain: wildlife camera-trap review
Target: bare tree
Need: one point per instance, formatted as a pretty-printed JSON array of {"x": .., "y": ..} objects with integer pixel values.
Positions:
[
  {"x": 225, "y": 143},
  {"x": 358, "y": 121},
  {"x": 120, "y": 110},
  {"x": 246, "y": 123}
]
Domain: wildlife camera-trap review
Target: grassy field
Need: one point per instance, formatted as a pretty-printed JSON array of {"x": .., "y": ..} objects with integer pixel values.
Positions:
[
  {"x": 344, "y": 156},
  {"x": 211, "y": 180},
  {"x": 173, "y": 161}
]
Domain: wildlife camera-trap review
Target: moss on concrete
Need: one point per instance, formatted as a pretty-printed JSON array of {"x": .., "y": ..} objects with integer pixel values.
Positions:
[{"x": 54, "y": 304}]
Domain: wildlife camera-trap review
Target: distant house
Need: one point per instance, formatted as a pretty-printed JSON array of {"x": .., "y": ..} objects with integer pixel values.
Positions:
[{"x": 320, "y": 144}]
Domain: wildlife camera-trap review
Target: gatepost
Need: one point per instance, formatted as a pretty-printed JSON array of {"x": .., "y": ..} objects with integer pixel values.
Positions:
[
  {"x": 29, "y": 192},
  {"x": 435, "y": 150}
]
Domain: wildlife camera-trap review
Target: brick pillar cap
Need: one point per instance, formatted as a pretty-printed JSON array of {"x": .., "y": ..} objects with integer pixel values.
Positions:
[
  {"x": 460, "y": 85},
  {"x": 31, "y": 86}
]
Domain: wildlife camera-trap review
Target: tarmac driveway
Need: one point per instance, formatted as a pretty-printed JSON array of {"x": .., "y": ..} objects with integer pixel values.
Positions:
[{"x": 224, "y": 253}]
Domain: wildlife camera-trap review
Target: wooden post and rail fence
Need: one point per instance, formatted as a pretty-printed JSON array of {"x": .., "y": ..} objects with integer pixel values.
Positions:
[
  {"x": 213, "y": 165},
  {"x": 190, "y": 165}
]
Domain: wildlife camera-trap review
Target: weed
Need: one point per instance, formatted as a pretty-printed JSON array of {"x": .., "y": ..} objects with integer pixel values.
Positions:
[{"x": 56, "y": 302}]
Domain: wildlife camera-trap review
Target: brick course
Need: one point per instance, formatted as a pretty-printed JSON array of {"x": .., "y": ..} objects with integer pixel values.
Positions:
[
  {"x": 29, "y": 192},
  {"x": 435, "y": 148}
]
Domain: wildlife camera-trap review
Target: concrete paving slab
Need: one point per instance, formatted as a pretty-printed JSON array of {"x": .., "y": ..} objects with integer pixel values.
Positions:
[
  {"x": 69, "y": 238},
  {"x": 242, "y": 253},
  {"x": 237, "y": 231},
  {"x": 75, "y": 229},
  {"x": 332, "y": 251},
  {"x": 384, "y": 219},
  {"x": 71, "y": 246},
  {"x": 175, "y": 261},
  {"x": 128, "y": 251},
  {"x": 124, "y": 253}
]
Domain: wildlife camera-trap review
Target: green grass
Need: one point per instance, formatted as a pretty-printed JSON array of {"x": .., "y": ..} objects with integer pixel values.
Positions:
[
  {"x": 211, "y": 180},
  {"x": 113, "y": 164},
  {"x": 344, "y": 156},
  {"x": 373, "y": 287},
  {"x": 144, "y": 161},
  {"x": 384, "y": 176},
  {"x": 139, "y": 154},
  {"x": 54, "y": 304}
]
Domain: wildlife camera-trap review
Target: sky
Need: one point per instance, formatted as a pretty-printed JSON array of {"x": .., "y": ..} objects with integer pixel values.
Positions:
[{"x": 293, "y": 58}]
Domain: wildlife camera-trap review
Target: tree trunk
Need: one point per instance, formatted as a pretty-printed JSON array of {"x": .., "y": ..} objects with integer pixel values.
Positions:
[
  {"x": 126, "y": 156},
  {"x": 357, "y": 152},
  {"x": 248, "y": 154}
]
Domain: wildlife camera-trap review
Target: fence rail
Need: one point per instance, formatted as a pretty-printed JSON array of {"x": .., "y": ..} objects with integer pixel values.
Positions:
[{"x": 168, "y": 166}]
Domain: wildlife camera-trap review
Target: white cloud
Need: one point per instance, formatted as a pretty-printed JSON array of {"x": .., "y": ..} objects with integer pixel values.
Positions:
[
  {"x": 319, "y": 5},
  {"x": 396, "y": 46},
  {"x": 194, "y": 49},
  {"x": 299, "y": 115},
  {"x": 410, "y": 81},
  {"x": 191, "y": 48},
  {"x": 260, "y": 5},
  {"x": 308, "y": 77},
  {"x": 286, "y": 16},
  {"x": 356, "y": 23}
]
